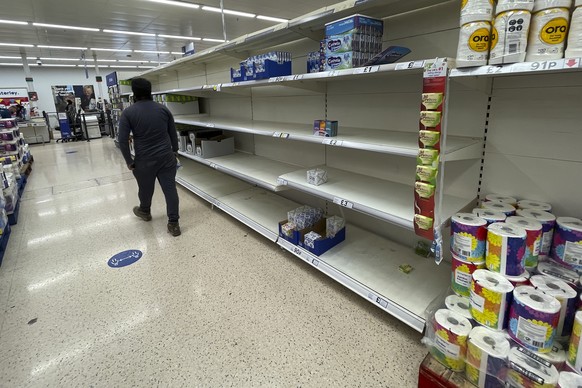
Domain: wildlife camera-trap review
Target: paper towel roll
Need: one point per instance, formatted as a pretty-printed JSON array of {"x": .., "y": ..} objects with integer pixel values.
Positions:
[
  {"x": 557, "y": 357},
  {"x": 548, "y": 221},
  {"x": 557, "y": 271},
  {"x": 534, "y": 230},
  {"x": 491, "y": 216},
  {"x": 459, "y": 305},
  {"x": 533, "y": 319},
  {"x": 506, "y": 249},
  {"x": 468, "y": 235},
  {"x": 512, "y": 5},
  {"x": 540, "y": 5},
  {"x": 534, "y": 205},
  {"x": 527, "y": 370},
  {"x": 575, "y": 348},
  {"x": 566, "y": 295},
  {"x": 574, "y": 47},
  {"x": 476, "y": 11},
  {"x": 509, "y": 37},
  {"x": 474, "y": 40},
  {"x": 501, "y": 198},
  {"x": 490, "y": 294},
  {"x": 450, "y": 342},
  {"x": 569, "y": 380},
  {"x": 462, "y": 275},
  {"x": 487, "y": 353},
  {"x": 522, "y": 280},
  {"x": 504, "y": 208},
  {"x": 567, "y": 246},
  {"x": 547, "y": 34}
]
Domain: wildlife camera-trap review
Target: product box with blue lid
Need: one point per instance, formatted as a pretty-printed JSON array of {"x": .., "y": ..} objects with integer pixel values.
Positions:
[{"x": 356, "y": 23}]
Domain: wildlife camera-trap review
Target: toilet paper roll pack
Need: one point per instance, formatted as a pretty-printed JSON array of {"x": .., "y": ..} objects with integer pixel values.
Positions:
[
  {"x": 574, "y": 47},
  {"x": 534, "y": 205},
  {"x": 450, "y": 339},
  {"x": 476, "y": 11},
  {"x": 487, "y": 353},
  {"x": 557, "y": 271},
  {"x": 528, "y": 371},
  {"x": 540, "y": 5},
  {"x": 501, "y": 198},
  {"x": 474, "y": 43},
  {"x": 522, "y": 280},
  {"x": 533, "y": 243},
  {"x": 575, "y": 350},
  {"x": 509, "y": 37},
  {"x": 490, "y": 297},
  {"x": 512, "y": 5},
  {"x": 566, "y": 295},
  {"x": 533, "y": 319},
  {"x": 462, "y": 275},
  {"x": 468, "y": 236},
  {"x": 459, "y": 305},
  {"x": 504, "y": 208},
  {"x": 569, "y": 380},
  {"x": 557, "y": 357},
  {"x": 567, "y": 247},
  {"x": 491, "y": 216},
  {"x": 547, "y": 35},
  {"x": 506, "y": 249},
  {"x": 548, "y": 221}
]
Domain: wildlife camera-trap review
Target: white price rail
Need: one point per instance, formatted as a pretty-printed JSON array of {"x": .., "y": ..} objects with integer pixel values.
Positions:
[
  {"x": 568, "y": 64},
  {"x": 366, "y": 70},
  {"x": 410, "y": 65},
  {"x": 333, "y": 142},
  {"x": 343, "y": 202}
]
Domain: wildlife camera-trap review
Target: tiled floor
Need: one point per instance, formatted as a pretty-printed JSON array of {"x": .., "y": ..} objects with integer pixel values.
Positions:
[{"x": 219, "y": 306}]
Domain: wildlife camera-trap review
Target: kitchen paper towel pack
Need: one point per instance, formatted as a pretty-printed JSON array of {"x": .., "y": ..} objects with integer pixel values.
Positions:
[
  {"x": 547, "y": 36},
  {"x": 569, "y": 380},
  {"x": 533, "y": 319},
  {"x": 506, "y": 249},
  {"x": 474, "y": 40},
  {"x": 450, "y": 339},
  {"x": 575, "y": 350},
  {"x": 534, "y": 205},
  {"x": 574, "y": 47},
  {"x": 476, "y": 11},
  {"x": 504, "y": 208},
  {"x": 509, "y": 37},
  {"x": 566, "y": 295},
  {"x": 501, "y": 198},
  {"x": 491, "y": 216},
  {"x": 462, "y": 275},
  {"x": 534, "y": 230},
  {"x": 527, "y": 370},
  {"x": 459, "y": 305},
  {"x": 512, "y": 5},
  {"x": 548, "y": 221},
  {"x": 468, "y": 235},
  {"x": 567, "y": 247},
  {"x": 559, "y": 272},
  {"x": 487, "y": 353},
  {"x": 490, "y": 296}
]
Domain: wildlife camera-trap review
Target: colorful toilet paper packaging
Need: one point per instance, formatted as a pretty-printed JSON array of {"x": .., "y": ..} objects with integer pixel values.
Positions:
[
  {"x": 522, "y": 280},
  {"x": 506, "y": 249},
  {"x": 567, "y": 247},
  {"x": 462, "y": 275},
  {"x": 450, "y": 342},
  {"x": 491, "y": 216},
  {"x": 575, "y": 348},
  {"x": 468, "y": 235},
  {"x": 534, "y": 205},
  {"x": 566, "y": 295},
  {"x": 490, "y": 296},
  {"x": 533, "y": 319},
  {"x": 533, "y": 244},
  {"x": 459, "y": 305},
  {"x": 529, "y": 371},
  {"x": 504, "y": 208},
  {"x": 548, "y": 221},
  {"x": 487, "y": 354},
  {"x": 557, "y": 357},
  {"x": 557, "y": 271}
]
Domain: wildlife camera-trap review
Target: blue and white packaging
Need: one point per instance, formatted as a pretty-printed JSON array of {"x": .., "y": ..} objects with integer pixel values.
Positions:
[
  {"x": 355, "y": 23},
  {"x": 310, "y": 238},
  {"x": 347, "y": 60}
]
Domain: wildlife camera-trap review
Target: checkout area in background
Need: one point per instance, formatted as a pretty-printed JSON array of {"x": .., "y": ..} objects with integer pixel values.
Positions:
[{"x": 20, "y": 104}]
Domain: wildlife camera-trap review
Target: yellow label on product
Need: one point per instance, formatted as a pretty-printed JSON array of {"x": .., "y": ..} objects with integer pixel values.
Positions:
[
  {"x": 494, "y": 38},
  {"x": 479, "y": 40},
  {"x": 432, "y": 101},
  {"x": 426, "y": 173},
  {"x": 464, "y": 3},
  {"x": 555, "y": 31},
  {"x": 429, "y": 138},
  {"x": 424, "y": 190},
  {"x": 428, "y": 157},
  {"x": 424, "y": 223},
  {"x": 430, "y": 119}
]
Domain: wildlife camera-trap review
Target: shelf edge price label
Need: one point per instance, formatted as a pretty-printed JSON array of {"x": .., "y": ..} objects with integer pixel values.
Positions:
[
  {"x": 333, "y": 73},
  {"x": 382, "y": 302},
  {"x": 343, "y": 202},
  {"x": 282, "y": 182},
  {"x": 210, "y": 125},
  {"x": 281, "y": 135},
  {"x": 213, "y": 165},
  {"x": 315, "y": 262},
  {"x": 333, "y": 142},
  {"x": 366, "y": 70},
  {"x": 297, "y": 251},
  {"x": 410, "y": 65},
  {"x": 277, "y": 79},
  {"x": 296, "y": 77}
]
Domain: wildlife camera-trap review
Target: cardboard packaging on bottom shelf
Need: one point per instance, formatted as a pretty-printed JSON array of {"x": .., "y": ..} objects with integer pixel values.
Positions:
[{"x": 311, "y": 238}]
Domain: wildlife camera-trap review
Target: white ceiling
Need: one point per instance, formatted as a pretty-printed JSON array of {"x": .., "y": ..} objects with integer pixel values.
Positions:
[{"x": 136, "y": 16}]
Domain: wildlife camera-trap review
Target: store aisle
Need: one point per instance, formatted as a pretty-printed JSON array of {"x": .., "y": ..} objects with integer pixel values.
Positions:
[{"x": 219, "y": 306}]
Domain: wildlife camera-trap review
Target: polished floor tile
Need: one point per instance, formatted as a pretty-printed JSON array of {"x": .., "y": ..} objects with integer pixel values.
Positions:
[{"x": 219, "y": 306}]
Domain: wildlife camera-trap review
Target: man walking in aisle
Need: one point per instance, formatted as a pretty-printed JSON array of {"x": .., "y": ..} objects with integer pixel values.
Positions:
[{"x": 155, "y": 143}]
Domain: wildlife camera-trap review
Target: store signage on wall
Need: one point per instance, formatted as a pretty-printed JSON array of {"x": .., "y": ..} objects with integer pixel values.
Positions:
[
  {"x": 28, "y": 79},
  {"x": 125, "y": 258},
  {"x": 13, "y": 96},
  {"x": 64, "y": 93},
  {"x": 33, "y": 96}
]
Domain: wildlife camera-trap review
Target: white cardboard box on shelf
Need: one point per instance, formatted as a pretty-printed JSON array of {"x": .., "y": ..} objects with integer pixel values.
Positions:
[{"x": 217, "y": 146}]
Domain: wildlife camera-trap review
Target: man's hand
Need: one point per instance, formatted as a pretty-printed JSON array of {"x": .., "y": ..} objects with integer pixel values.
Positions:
[{"x": 131, "y": 166}]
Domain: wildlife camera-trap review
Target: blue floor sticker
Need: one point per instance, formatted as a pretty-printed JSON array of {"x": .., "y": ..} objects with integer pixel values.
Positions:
[{"x": 125, "y": 258}]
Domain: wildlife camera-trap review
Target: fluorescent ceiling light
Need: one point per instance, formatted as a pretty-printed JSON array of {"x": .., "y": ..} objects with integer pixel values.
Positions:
[
  {"x": 16, "y": 45},
  {"x": 123, "y": 66},
  {"x": 147, "y": 67},
  {"x": 272, "y": 19},
  {"x": 3, "y": 57},
  {"x": 178, "y": 3},
  {"x": 55, "y": 65},
  {"x": 112, "y": 50},
  {"x": 151, "y": 52},
  {"x": 128, "y": 33},
  {"x": 60, "y": 59},
  {"x": 179, "y": 37},
  {"x": 61, "y": 47},
  {"x": 176, "y": 53},
  {"x": 10, "y": 64},
  {"x": 228, "y": 11},
  {"x": 13, "y": 22},
  {"x": 132, "y": 61},
  {"x": 107, "y": 60},
  {"x": 214, "y": 40},
  {"x": 65, "y": 27}
]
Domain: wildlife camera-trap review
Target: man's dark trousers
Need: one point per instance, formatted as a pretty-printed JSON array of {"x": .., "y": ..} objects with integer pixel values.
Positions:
[{"x": 164, "y": 169}]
